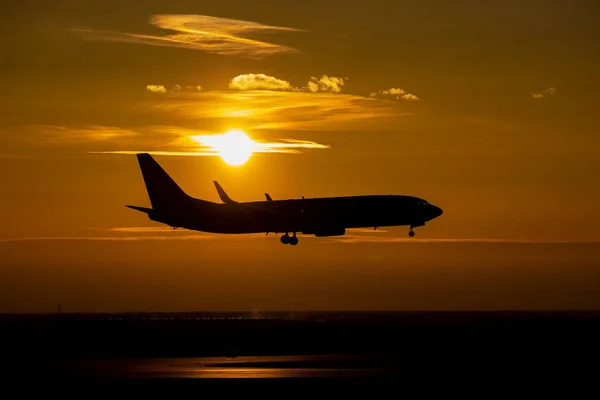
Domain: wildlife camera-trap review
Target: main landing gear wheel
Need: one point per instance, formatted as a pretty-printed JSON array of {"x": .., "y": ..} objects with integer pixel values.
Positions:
[
  {"x": 286, "y": 239},
  {"x": 411, "y": 233}
]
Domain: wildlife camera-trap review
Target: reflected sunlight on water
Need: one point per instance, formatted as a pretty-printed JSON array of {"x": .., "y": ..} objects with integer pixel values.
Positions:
[{"x": 223, "y": 367}]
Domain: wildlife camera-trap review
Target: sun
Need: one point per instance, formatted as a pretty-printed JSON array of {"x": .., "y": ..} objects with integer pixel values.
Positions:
[{"x": 234, "y": 147}]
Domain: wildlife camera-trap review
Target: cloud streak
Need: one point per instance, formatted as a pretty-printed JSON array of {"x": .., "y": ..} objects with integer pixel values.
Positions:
[
  {"x": 391, "y": 239},
  {"x": 544, "y": 93},
  {"x": 188, "y": 143},
  {"x": 341, "y": 239},
  {"x": 56, "y": 134},
  {"x": 143, "y": 229},
  {"x": 293, "y": 110},
  {"x": 216, "y": 35},
  {"x": 106, "y": 238}
]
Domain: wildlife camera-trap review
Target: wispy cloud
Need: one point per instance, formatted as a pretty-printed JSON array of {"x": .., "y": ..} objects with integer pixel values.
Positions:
[
  {"x": 202, "y": 32},
  {"x": 391, "y": 239},
  {"x": 544, "y": 93},
  {"x": 13, "y": 156},
  {"x": 396, "y": 93},
  {"x": 365, "y": 230},
  {"x": 212, "y": 143},
  {"x": 56, "y": 134},
  {"x": 186, "y": 142},
  {"x": 340, "y": 239},
  {"x": 107, "y": 238},
  {"x": 143, "y": 229}
]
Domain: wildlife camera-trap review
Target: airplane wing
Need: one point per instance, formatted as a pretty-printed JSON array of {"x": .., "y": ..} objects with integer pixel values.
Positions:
[{"x": 224, "y": 197}]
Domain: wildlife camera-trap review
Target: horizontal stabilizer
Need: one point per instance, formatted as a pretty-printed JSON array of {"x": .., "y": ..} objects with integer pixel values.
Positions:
[{"x": 142, "y": 209}]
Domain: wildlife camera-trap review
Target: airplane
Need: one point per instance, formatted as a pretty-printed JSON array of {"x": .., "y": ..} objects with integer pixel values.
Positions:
[{"x": 322, "y": 217}]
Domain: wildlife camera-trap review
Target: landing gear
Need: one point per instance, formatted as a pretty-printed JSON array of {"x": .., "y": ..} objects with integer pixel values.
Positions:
[
  {"x": 411, "y": 233},
  {"x": 286, "y": 239}
]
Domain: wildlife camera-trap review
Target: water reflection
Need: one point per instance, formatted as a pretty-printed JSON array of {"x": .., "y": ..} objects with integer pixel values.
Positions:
[{"x": 223, "y": 367}]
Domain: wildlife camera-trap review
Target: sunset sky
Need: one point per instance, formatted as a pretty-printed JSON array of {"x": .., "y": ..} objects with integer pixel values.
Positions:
[{"x": 488, "y": 109}]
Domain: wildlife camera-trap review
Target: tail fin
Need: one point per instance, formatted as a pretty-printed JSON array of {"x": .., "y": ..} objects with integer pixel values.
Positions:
[{"x": 162, "y": 189}]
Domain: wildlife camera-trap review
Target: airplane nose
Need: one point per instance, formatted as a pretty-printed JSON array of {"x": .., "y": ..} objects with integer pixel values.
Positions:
[{"x": 435, "y": 211}]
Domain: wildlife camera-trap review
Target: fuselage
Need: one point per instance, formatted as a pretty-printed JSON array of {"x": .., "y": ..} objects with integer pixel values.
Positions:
[{"x": 329, "y": 216}]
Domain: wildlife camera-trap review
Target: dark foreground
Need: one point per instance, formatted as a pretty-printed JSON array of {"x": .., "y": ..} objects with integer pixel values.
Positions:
[{"x": 335, "y": 344}]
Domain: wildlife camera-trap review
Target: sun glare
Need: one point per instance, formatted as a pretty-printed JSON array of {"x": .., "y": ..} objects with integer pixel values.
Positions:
[{"x": 234, "y": 146}]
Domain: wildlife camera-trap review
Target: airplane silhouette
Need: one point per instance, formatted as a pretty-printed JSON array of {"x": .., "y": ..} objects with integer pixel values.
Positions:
[{"x": 326, "y": 216}]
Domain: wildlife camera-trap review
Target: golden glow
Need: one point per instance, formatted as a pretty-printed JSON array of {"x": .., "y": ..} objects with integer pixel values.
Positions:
[{"x": 234, "y": 146}]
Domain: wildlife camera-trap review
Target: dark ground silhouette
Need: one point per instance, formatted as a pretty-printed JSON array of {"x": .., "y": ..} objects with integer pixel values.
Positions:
[{"x": 421, "y": 343}]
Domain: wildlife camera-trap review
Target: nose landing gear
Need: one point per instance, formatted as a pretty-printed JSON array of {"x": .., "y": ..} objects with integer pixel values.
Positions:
[
  {"x": 286, "y": 239},
  {"x": 411, "y": 233}
]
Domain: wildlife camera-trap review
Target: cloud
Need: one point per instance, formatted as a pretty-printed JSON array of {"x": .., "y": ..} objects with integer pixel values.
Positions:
[
  {"x": 410, "y": 97},
  {"x": 325, "y": 84},
  {"x": 258, "y": 82},
  {"x": 176, "y": 88},
  {"x": 259, "y": 101},
  {"x": 259, "y": 104},
  {"x": 544, "y": 93},
  {"x": 396, "y": 93},
  {"x": 328, "y": 84},
  {"x": 201, "y": 32},
  {"x": 156, "y": 89}
]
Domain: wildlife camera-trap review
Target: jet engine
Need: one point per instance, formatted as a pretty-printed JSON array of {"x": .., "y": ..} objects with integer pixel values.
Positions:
[{"x": 329, "y": 232}]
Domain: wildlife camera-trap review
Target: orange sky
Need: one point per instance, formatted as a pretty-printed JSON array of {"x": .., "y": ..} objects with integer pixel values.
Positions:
[{"x": 487, "y": 109}]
